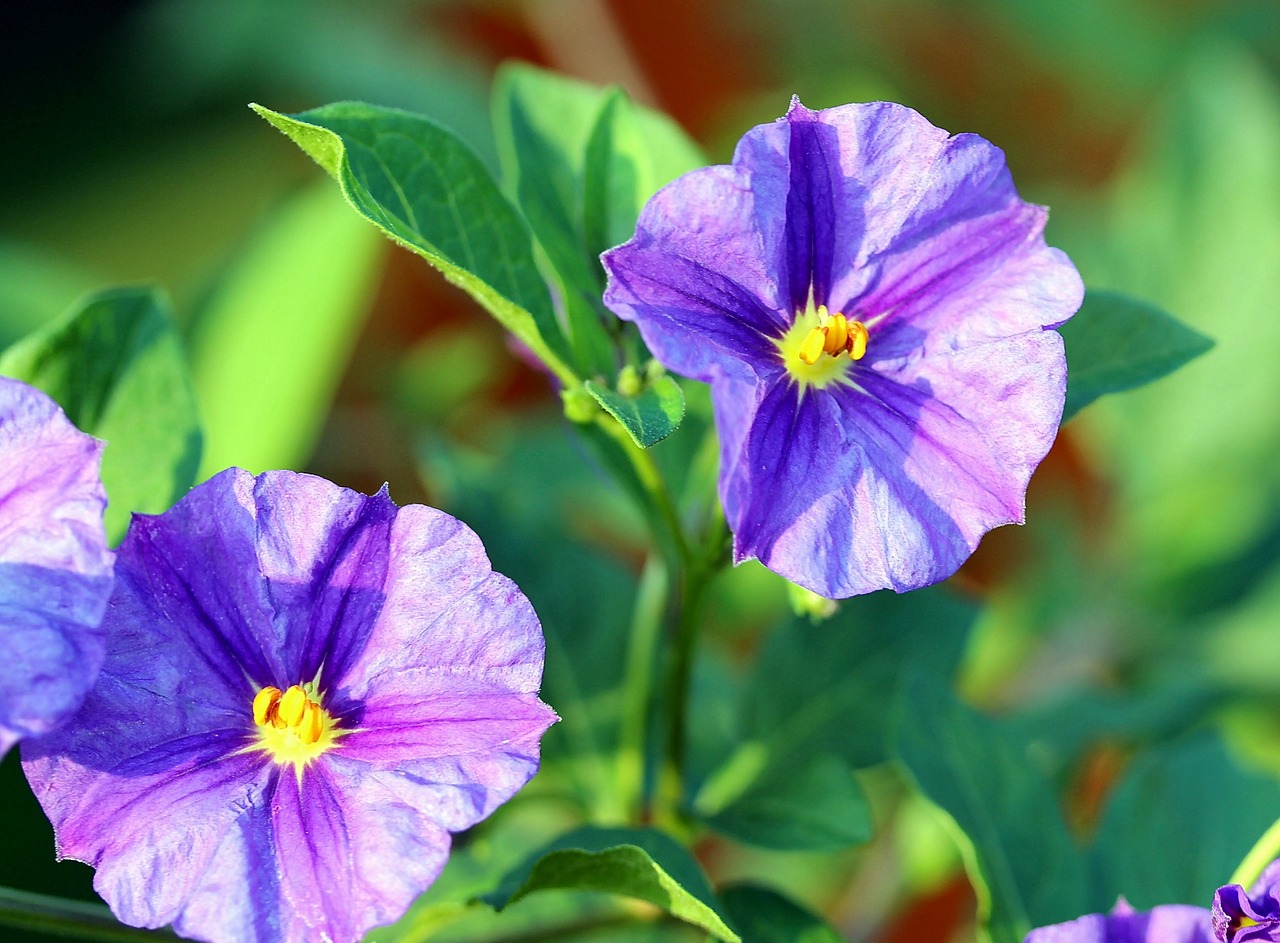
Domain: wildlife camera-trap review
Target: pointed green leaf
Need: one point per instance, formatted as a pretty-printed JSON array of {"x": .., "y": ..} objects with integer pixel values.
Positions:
[
  {"x": 609, "y": 155},
  {"x": 426, "y": 190},
  {"x": 816, "y": 807},
  {"x": 580, "y": 161},
  {"x": 542, "y": 122},
  {"x": 116, "y": 366},
  {"x": 1116, "y": 343},
  {"x": 765, "y": 916},
  {"x": 632, "y": 154},
  {"x": 1021, "y": 860},
  {"x": 642, "y": 863},
  {"x": 648, "y": 417}
]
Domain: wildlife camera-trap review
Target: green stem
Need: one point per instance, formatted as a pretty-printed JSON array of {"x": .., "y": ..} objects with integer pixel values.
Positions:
[
  {"x": 69, "y": 919},
  {"x": 646, "y": 631},
  {"x": 671, "y": 783},
  {"x": 650, "y": 477},
  {"x": 1260, "y": 855}
]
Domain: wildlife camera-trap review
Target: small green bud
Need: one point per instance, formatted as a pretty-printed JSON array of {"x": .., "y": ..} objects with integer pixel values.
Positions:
[
  {"x": 630, "y": 382},
  {"x": 579, "y": 405},
  {"x": 805, "y": 602}
]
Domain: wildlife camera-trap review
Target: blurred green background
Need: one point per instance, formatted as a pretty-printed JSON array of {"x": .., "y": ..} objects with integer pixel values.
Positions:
[{"x": 1146, "y": 591}]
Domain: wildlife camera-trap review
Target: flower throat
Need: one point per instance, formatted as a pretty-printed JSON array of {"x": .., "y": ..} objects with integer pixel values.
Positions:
[
  {"x": 820, "y": 346},
  {"x": 292, "y": 725}
]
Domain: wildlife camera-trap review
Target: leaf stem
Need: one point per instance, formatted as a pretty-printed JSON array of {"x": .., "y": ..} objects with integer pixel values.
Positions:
[{"x": 70, "y": 919}]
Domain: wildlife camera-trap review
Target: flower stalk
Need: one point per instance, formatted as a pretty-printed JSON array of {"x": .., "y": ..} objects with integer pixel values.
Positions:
[{"x": 69, "y": 919}]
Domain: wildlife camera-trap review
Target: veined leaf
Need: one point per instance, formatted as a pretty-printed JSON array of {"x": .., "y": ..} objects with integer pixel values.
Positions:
[
  {"x": 650, "y": 416},
  {"x": 642, "y": 863},
  {"x": 426, "y": 190}
]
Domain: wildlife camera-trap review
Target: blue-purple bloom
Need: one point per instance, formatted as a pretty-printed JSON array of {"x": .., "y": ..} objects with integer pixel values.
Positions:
[
  {"x": 306, "y": 690},
  {"x": 1169, "y": 923},
  {"x": 870, "y": 301},
  {"x": 55, "y": 568},
  {"x": 1236, "y": 917},
  {"x": 1240, "y": 917}
]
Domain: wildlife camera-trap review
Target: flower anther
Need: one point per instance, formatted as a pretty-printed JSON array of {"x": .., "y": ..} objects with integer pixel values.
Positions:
[
  {"x": 814, "y": 349},
  {"x": 292, "y": 725}
]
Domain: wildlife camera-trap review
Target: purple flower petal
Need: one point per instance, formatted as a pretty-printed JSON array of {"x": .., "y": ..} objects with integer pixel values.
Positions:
[
  {"x": 1240, "y": 917},
  {"x": 885, "y": 472},
  {"x": 153, "y": 824},
  {"x": 1170, "y": 923},
  {"x": 425, "y": 663},
  {"x": 352, "y": 853},
  {"x": 55, "y": 568}
]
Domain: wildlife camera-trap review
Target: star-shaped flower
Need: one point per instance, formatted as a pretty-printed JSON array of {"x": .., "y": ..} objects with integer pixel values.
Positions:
[
  {"x": 871, "y": 303},
  {"x": 306, "y": 690},
  {"x": 55, "y": 568}
]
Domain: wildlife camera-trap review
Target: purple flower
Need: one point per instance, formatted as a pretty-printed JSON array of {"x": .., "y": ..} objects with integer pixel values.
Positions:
[
  {"x": 1240, "y": 918},
  {"x": 305, "y": 691},
  {"x": 55, "y": 568},
  {"x": 868, "y": 299},
  {"x": 1171, "y": 923}
]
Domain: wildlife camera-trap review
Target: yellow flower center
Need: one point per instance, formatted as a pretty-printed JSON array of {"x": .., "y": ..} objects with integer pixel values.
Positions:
[
  {"x": 820, "y": 346},
  {"x": 292, "y": 725}
]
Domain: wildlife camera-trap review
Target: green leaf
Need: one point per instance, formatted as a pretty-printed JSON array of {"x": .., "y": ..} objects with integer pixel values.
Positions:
[
  {"x": 815, "y": 807},
  {"x": 116, "y": 366},
  {"x": 580, "y": 162},
  {"x": 542, "y": 122},
  {"x": 1188, "y": 794},
  {"x": 818, "y": 703},
  {"x": 609, "y": 154},
  {"x": 765, "y": 916},
  {"x": 829, "y": 688},
  {"x": 633, "y": 153},
  {"x": 648, "y": 417},
  {"x": 641, "y": 863},
  {"x": 426, "y": 190},
  {"x": 1116, "y": 343},
  {"x": 1021, "y": 860},
  {"x": 276, "y": 334}
]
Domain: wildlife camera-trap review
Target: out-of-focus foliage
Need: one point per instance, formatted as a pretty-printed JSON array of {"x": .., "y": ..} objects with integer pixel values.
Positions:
[{"x": 274, "y": 336}]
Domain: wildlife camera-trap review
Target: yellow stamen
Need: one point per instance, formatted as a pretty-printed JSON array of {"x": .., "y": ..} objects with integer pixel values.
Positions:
[
  {"x": 858, "y": 337},
  {"x": 293, "y": 726},
  {"x": 312, "y": 724},
  {"x": 814, "y": 343},
  {"x": 813, "y": 348},
  {"x": 264, "y": 703},
  {"x": 292, "y": 705},
  {"x": 837, "y": 334}
]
